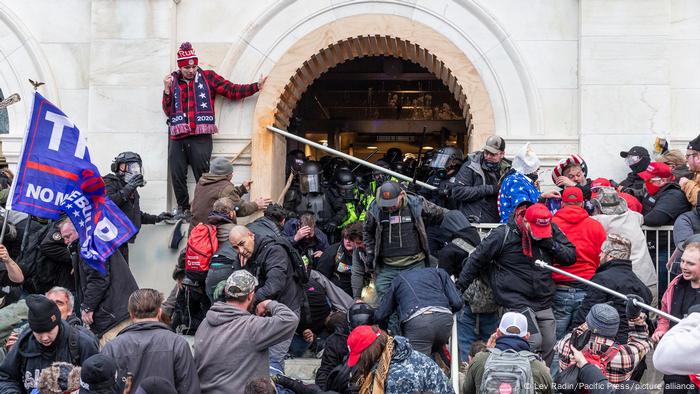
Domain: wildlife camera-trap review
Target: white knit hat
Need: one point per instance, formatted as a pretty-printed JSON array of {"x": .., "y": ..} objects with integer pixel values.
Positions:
[{"x": 526, "y": 161}]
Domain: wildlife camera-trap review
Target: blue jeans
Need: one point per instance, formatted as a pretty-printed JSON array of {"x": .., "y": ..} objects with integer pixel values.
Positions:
[
  {"x": 382, "y": 282},
  {"x": 566, "y": 303},
  {"x": 468, "y": 331}
]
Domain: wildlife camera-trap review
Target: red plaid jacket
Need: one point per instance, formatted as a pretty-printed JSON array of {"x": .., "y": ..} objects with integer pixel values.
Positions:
[
  {"x": 217, "y": 85},
  {"x": 621, "y": 366}
]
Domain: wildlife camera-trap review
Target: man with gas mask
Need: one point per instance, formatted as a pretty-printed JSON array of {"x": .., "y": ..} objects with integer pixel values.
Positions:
[
  {"x": 329, "y": 213},
  {"x": 121, "y": 185},
  {"x": 637, "y": 159},
  {"x": 445, "y": 165},
  {"x": 475, "y": 189}
]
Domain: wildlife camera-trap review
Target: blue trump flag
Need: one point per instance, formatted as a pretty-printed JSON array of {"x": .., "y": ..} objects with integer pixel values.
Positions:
[{"x": 55, "y": 175}]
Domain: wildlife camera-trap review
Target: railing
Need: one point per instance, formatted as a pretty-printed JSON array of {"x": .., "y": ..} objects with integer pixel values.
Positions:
[{"x": 659, "y": 242}]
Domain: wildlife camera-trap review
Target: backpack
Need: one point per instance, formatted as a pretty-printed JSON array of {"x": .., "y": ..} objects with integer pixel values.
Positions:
[
  {"x": 299, "y": 267},
  {"x": 201, "y": 246},
  {"x": 479, "y": 294},
  {"x": 508, "y": 371}
]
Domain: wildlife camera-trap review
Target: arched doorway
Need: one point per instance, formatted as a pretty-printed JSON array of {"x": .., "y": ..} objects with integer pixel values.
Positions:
[
  {"x": 368, "y": 104},
  {"x": 320, "y": 50}
]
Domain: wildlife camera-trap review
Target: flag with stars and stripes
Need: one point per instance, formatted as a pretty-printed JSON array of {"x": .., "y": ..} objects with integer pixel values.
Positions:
[{"x": 55, "y": 175}]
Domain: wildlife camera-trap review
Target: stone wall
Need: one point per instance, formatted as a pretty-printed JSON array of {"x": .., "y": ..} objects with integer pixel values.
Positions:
[{"x": 588, "y": 76}]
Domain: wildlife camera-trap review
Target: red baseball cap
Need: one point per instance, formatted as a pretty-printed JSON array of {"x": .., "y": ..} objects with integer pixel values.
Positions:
[
  {"x": 540, "y": 220},
  {"x": 598, "y": 182},
  {"x": 656, "y": 169},
  {"x": 572, "y": 194},
  {"x": 359, "y": 339}
]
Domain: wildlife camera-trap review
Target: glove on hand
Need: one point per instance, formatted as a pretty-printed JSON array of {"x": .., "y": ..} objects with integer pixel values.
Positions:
[{"x": 633, "y": 310}]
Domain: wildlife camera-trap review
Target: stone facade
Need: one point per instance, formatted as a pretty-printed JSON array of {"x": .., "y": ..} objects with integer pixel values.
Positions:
[{"x": 588, "y": 76}]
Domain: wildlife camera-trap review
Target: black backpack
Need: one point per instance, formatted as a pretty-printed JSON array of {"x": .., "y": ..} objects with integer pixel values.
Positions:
[{"x": 301, "y": 271}]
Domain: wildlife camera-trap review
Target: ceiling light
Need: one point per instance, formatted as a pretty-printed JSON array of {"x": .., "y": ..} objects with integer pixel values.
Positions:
[
  {"x": 372, "y": 147},
  {"x": 428, "y": 148}
]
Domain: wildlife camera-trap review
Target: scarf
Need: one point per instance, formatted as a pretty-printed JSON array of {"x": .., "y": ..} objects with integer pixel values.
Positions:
[
  {"x": 651, "y": 187},
  {"x": 379, "y": 374},
  {"x": 203, "y": 109},
  {"x": 524, "y": 233}
]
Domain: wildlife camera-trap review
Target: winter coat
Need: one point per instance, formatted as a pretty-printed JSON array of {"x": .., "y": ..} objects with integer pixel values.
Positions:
[
  {"x": 475, "y": 193},
  {"x": 515, "y": 190},
  {"x": 270, "y": 263},
  {"x": 629, "y": 225},
  {"x": 475, "y": 373},
  {"x": 424, "y": 213},
  {"x": 328, "y": 266},
  {"x": 587, "y": 235},
  {"x": 413, "y": 290},
  {"x": 665, "y": 206},
  {"x": 678, "y": 352},
  {"x": 106, "y": 295},
  {"x": 615, "y": 275},
  {"x": 691, "y": 188},
  {"x": 151, "y": 348},
  {"x": 22, "y": 366},
  {"x": 231, "y": 345},
  {"x": 670, "y": 305},
  {"x": 213, "y": 187},
  {"x": 633, "y": 185},
  {"x": 264, "y": 226},
  {"x": 335, "y": 352},
  {"x": 56, "y": 266},
  {"x": 360, "y": 272},
  {"x": 411, "y": 371},
  {"x": 129, "y": 203},
  {"x": 452, "y": 258},
  {"x": 686, "y": 225},
  {"x": 223, "y": 224},
  {"x": 516, "y": 282}
]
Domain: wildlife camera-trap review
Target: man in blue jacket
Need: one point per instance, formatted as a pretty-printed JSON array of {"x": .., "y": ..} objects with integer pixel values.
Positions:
[{"x": 425, "y": 300}]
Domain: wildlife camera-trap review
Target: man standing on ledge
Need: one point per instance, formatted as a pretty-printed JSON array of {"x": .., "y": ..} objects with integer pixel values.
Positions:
[{"x": 189, "y": 106}]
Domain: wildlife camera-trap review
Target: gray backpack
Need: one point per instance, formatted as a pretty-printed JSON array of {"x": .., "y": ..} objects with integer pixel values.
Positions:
[{"x": 508, "y": 371}]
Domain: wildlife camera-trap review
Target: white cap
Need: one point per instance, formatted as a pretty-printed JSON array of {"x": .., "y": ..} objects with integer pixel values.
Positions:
[
  {"x": 513, "y": 323},
  {"x": 526, "y": 161}
]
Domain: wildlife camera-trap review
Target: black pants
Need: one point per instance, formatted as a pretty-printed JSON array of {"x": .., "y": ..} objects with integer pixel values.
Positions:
[
  {"x": 194, "y": 151},
  {"x": 677, "y": 384},
  {"x": 191, "y": 308},
  {"x": 428, "y": 332}
]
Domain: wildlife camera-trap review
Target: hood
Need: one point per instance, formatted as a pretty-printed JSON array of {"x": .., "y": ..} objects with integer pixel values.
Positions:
[
  {"x": 259, "y": 244},
  {"x": 209, "y": 178},
  {"x": 402, "y": 349},
  {"x": 454, "y": 221},
  {"x": 572, "y": 214},
  {"x": 222, "y": 313},
  {"x": 145, "y": 326},
  {"x": 512, "y": 342},
  {"x": 217, "y": 218}
]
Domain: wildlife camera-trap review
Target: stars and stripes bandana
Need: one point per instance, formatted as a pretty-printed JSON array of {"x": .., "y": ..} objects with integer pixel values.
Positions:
[{"x": 203, "y": 109}]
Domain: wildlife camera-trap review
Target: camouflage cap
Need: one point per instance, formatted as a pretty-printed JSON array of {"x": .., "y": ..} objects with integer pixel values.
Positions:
[
  {"x": 240, "y": 283},
  {"x": 607, "y": 201},
  {"x": 617, "y": 247}
]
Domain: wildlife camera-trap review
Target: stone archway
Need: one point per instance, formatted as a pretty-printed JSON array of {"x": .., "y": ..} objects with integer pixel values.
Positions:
[
  {"x": 361, "y": 46},
  {"x": 345, "y": 39}
]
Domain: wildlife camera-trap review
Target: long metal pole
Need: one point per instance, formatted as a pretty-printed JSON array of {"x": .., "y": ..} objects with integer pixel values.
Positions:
[
  {"x": 542, "y": 264},
  {"x": 454, "y": 350},
  {"x": 4, "y": 225},
  {"x": 348, "y": 157}
]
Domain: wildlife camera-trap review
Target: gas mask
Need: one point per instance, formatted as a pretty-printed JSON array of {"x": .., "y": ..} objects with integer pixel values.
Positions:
[
  {"x": 637, "y": 163},
  {"x": 132, "y": 169}
]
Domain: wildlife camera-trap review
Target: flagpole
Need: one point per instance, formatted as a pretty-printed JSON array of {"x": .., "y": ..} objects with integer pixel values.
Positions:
[{"x": 4, "y": 226}]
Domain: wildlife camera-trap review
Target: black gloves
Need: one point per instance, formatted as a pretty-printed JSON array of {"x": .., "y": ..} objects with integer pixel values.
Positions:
[
  {"x": 329, "y": 228},
  {"x": 163, "y": 216},
  {"x": 632, "y": 309},
  {"x": 546, "y": 243},
  {"x": 295, "y": 385},
  {"x": 134, "y": 182}
]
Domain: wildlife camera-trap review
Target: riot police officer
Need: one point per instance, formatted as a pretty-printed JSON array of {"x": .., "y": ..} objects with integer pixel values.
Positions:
[
  {"x": 121, "y": 185},
  {"x": 444, "y": 165},
  {"x": 346, "y": 189},
  {"x": 329, "y": 212}
]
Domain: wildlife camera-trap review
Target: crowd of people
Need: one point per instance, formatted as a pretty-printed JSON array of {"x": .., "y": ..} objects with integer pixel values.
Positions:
[{"x": 369, "y": 274}]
